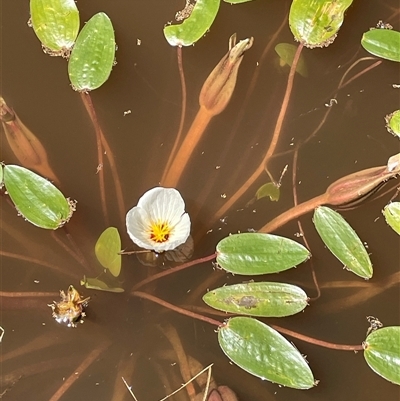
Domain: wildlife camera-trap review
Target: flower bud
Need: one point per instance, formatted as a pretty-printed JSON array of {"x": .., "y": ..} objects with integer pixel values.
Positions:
[
  {"x": 218, "y": 87},
  {"x": 357, "y": 186},
  {"x": 24, "y": 144}
]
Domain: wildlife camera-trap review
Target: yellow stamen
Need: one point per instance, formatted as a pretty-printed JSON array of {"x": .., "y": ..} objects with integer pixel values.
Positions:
[{"x": 160, "y": 232}]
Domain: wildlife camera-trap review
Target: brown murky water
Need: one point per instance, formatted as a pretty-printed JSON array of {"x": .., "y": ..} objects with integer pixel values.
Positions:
[{"x": 122, "y": 333}]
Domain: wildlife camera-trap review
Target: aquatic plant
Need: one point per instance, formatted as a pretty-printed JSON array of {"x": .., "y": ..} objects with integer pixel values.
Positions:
[{"x": 250, "y": 341}]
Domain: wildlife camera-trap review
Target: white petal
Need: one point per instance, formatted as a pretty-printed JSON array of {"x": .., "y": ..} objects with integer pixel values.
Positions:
[
  {"x": 137, "y": 225},
  {"x": 163, "y": 204}
]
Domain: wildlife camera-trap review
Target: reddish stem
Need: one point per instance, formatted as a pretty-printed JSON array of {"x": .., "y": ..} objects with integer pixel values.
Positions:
[
  {"x": 217, "y": 323},
  {"x": 315, "y": 341},
  {"x": 173, "y": 270},
  {"x": 274, "y": 141},
  {"x": 87, "y": 101},
  {"x": 40, "y": 262},
  {"x": 183, "y": 113},
  {"x": 78, "y": 371},
  {"x": 176, "y": 308}
]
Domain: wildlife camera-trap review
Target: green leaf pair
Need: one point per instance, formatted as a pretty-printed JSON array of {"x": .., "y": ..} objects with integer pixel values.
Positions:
[
  {"x": 91, "y": 53},
  {"x": 107, "y": 250}
]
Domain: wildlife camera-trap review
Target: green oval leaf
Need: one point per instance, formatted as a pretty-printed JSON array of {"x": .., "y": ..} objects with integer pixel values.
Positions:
[
  {"x": 92, "y": 57},
  {"x": 263, "y": 352},
  {"x": 392, "y": 215},
  {"x": 384, "y": 43},
  {"x": 257, "y": 253},
  {"x": 195, "y": 26},
  {"x": 37, "y": 199},
  {"x": 269, "y": 189},
  {"x": 393, "y": 122},
  {"x": 315, "y": 23},
  {"x": 107, "y": 250},
  {"x": 342, "y": 241},
  {"x": 258, "y": 299},
  {"x": 56, "y": 24},
  {"x": 382, "y": 353},
  {"x": 96, "y": 284},
  {"x": 286, "y": 52}
]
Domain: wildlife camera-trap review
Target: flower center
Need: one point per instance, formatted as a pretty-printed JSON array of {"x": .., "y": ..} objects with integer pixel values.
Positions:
[{"x": 160, "y": 232}]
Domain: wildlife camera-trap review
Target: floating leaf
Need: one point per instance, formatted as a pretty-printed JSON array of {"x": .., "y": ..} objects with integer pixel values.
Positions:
[
  {"x": 392, "y": 215},
  {"x": 195, "y": 26},
  {"x": 256, "y": 253},
  {"x": 37, "y": 199},
  {"x": 236, "y": 1},
  {"x": 315, "y": 23},
  {"x": 107, "y": 250},
  {"x": 258, "y": 299},
  {"x": 263, "y": 352},
  {"x": 286, "y": 52},
  {"x": 56, "y": 24},
  {"x": 96, "y": 284},
  {"x": 342, "y": 241},
  {"x": 383, "y": 43},
  {"x": 393, "y": 122},
  {"x": 93, "y": 55},
  {"x": 1, "y": 176},
  {"x": 382, "y": 353},
  {"x": 268, "y": 189}
]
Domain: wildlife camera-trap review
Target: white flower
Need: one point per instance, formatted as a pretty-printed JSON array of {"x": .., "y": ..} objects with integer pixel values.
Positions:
[{"x": 159, "y": 221}]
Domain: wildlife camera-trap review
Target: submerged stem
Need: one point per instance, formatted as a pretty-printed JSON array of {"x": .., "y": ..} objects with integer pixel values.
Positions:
[
  {"x": 315, "y": 341},
  {"x": 274, "y": 141},
  {"x": 294, "y": 212},
  {"x": 78, "y": 371},
  {"x": 183, "y": 113},
  {"x": 40, "y": 262},
  {"x": 173, "y": 270},
  {"x": 115, "y": 176},
  {"x": 182, "y": 157},
  {"x": 176, "y": 308},
  {"x": 217, "y": 323},
  {"x": 206, "y": 189},
  {"x": 87, "y": 101},
  {"x": 102, "y": 143}
]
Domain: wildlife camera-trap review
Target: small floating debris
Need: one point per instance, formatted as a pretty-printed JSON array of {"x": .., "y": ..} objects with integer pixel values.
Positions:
[{"x": 70, "y": 309}]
